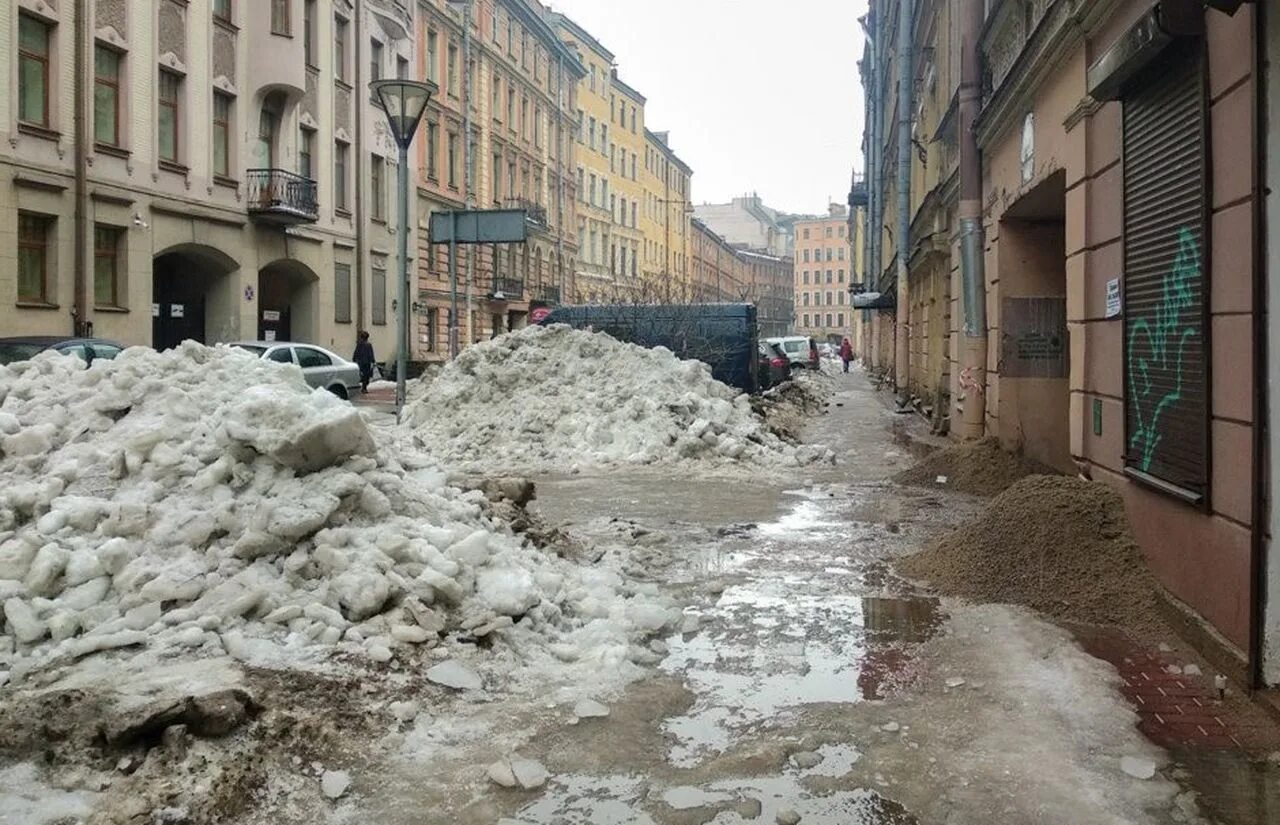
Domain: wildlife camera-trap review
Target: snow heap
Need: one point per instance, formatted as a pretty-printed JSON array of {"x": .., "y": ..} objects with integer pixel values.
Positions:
[
  {"x": 205, "y": 499},
  {"x": 550, "y": 398}
]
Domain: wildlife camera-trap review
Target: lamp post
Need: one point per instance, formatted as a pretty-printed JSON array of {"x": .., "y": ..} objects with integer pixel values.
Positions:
[{"x": 404, "y": 101}]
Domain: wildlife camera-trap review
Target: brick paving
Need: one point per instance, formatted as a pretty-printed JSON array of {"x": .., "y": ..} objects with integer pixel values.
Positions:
[{"x": 1180, "y": 709}]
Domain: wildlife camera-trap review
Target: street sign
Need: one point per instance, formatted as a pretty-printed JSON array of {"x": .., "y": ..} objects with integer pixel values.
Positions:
[{"x": 480, "y": 226}]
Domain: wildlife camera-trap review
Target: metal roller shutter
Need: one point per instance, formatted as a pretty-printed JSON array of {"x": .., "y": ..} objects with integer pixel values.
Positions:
[{"x": 1165, "y": 289}]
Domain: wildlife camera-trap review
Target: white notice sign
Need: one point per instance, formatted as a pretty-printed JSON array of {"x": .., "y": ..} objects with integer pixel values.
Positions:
[
  {"x": 271, "y": 315},
  {"x": 155, "y": 310},
  {"x": 1113, "y": 297},
  {"x": 269, "y": 335},
  {"x": 177, "y": 311}
]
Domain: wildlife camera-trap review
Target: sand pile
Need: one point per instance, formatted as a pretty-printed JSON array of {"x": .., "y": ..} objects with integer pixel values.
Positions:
[
  {"x": 982, "y": 468},
  {"x": 1059, "y": 545}
]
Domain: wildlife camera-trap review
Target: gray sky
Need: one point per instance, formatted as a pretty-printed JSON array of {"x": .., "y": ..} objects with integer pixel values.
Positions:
[{"x": 759, "y": 95}]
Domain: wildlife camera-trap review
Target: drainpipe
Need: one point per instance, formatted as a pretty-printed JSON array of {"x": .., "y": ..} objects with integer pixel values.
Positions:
[
  {"x": 875, "y": 181},
  {"x": 906, "y": 95},
  {"x": 360, "y": 98},
  {"x": 1259, "y": 511},
  {"x": 971, "y": 398},
  {"x": 80, "y": 323},
  {"x": 870, "y": 229}
]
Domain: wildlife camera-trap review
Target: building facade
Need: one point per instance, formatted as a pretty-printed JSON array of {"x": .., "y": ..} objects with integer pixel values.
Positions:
[
  {"x": 211, "y": 189},
  {"x": 522, "y": 84},
  {"x": 1110, "y": 323},
  {"x": 747, "y": 223},
  {"x": 824, "y": 265},
  {"x": 666, "y": 224}
]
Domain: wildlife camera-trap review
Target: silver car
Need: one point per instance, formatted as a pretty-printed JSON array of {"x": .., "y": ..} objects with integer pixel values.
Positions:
[{"x": 321, "y": 368}]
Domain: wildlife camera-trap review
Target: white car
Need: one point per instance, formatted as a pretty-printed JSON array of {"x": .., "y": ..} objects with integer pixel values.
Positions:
[
  {"x": 801, "y": 351},
  {"x": 321, "y": 368}
]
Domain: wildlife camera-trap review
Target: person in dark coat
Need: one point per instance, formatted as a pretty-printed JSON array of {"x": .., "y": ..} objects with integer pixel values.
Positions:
[
  {"x": 364, "y": 359},
  {"x": 846, "y": 353}
]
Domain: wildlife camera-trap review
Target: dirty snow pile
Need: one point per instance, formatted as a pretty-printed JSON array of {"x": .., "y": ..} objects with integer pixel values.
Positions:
[
  {"x": 202, "y": 500},
  {"x": 554, "y": 398}
]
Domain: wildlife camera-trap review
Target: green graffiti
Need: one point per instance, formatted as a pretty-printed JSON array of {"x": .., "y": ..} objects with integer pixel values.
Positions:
[{"x": 1175, "y": 324}]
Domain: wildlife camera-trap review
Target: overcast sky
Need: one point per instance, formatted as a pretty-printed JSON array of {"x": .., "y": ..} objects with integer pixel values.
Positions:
[{"x": 759, "y": 95}]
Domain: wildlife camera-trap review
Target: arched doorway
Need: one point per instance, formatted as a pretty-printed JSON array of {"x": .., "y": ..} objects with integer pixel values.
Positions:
[
  {"x": 288, "y": 302},
  {"x": 191, "y": 298}
]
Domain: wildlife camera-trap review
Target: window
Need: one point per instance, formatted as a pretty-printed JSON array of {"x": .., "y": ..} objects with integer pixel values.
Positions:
[
  {"x": 806, "y": 234},
  {"x": 402, "y": 68},
  {"x": 284, "y": 355},
  {"x": 806, "y": 320},
  {"x": 829, "y": 324},
  {"x": 33, "y": 257},
  {"x": 511, "y": 107},
  {"x": 591, "y": 132},
  {"x": 537, "y": 127},
  {"x": 840, "y": 297},
  {"x": 169, "y": 115},
  {"x": 840, "y": 276},
  {"x": 306, "y": 140},
  {"x": 222, "y": 10},
  {"x": 453, "y": 160},
  {"x": 433, "y": 150},
  {"x": 633, "y": 214},
  {"x": 828, "y": 232},
  {"x": 106, "y": 96},
  {"x": 308, "y": 357},
  {"x": 280, "y": 23},
  {"x": 830, "y": 253},
  {"x": 107, "y": 267},
  {"x": 453, "y": 70},
  {"x": 33, "y": 71},
  {"x": 830, "y": 300},
  {"x": 524, "y": 118},
  {"x": 806, "y": 256},
  {"x": 221, "y": 135},
  {"x": 1166, "y": 258},
  {"x": 309, "y": 31},
  {"x": 829, "y": 277},
  {"x": 433, "y": 56},
  {"x": 497, "y": 179},
  {"x": 342, "y": 293},
  {"x": 805, "y": 277},
  {"x": 633, "y": 165},
  {"x": 375, "y": 60},
  {"x": 340, "y": 49},
  {"x": 840, "y": 319},
  {"x": 377, "y": 192},
  {"x": 340, "y": 175},
  {"x": 806, "y": 299},
  {"x": 379, "y": 298},
  {"x": 840, "y": 231}
]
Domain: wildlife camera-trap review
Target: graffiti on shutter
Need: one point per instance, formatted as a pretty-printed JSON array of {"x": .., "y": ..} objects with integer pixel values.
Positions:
[{"x": 1166, "y": 372}]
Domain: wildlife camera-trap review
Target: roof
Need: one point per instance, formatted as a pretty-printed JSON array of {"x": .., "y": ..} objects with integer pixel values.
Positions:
[
  {"x": 659, "y": 139},
  {"x": 566, "y": 22},
  {"x": 627, "y": 90}
]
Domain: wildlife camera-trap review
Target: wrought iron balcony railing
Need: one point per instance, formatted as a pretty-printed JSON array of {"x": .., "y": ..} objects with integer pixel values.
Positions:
[
  {"x": 507, "y": 289},
  {"x": 536, "y": 212},
  {"x": 547, "y": 294},
  {"x": 281, "y": 197}
]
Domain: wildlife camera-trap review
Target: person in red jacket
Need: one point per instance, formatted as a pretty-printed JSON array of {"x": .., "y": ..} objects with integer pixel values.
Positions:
[{"x": 846, "y": 353}]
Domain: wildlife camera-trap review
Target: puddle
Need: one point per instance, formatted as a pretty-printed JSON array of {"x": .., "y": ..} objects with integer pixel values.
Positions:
[
  {"x": 1232, "y": 787},
  {"x": 622, "y": 800},
  {"x": 837, "y": 761}
]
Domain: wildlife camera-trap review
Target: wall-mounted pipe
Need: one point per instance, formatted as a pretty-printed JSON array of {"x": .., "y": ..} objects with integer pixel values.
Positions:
[
  {"x": 906, "y": 106},
  {"x": 970, "y": 416}
]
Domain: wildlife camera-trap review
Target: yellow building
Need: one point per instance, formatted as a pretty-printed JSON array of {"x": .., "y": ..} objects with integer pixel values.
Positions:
[
  {"x": 628, "y": 163},
  {"x": 596, "y": 190},
  {"x": 666, "y": 225}
]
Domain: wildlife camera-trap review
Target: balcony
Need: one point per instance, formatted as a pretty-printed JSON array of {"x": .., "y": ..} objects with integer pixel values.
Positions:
[
  {"x": 279, "y": 197},
  {"x": 858, "y": 194},
  {"x": 507, "y": 289},
  {"x": 536, "y": 213},
  {"x": 547, "y": 294}
]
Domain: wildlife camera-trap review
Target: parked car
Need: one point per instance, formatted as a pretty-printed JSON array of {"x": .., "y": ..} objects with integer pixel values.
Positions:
[
  {"x": 773, "y": 367},
  {"x": 801, "y": 351},
  {"x": 13, "y": 350},
  {"x": 321, "y": 368}
]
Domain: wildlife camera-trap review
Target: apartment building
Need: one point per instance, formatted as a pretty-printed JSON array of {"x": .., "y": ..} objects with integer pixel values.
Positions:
[
  {"x": 717, "y": 272},
  {"x": 823, "y": 267},
  {"x": 212, "y": 187},
  {"x": 627, "y": 161},
  {"x": 748, "y": 223},
  {"x": 770, "y": 284},
  {"x": 666, "y": 225},
  {"x": 522, "y": 84}
]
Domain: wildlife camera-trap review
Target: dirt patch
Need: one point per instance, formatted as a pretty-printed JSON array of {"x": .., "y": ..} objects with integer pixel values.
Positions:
[
  {"x": 981, "y": 468},
  {"x": 787, "y": 407},
  {"x": 1059, "y": 545}
]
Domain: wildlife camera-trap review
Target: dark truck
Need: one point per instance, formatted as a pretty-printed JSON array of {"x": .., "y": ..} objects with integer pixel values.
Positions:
[{"x": 722, "y": 336}]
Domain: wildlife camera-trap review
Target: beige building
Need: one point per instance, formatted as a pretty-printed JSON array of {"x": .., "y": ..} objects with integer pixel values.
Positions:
[
  {"x": 213, "y": 187},
  {"x": 523, "y": 86},
  {"x": 823, "y": 265}
]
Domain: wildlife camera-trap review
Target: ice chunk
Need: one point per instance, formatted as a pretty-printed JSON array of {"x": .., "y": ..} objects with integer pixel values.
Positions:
[
  {"x": 509, "y": 591},
  {"x": 787, "y": 817},
  {"x": 46, "y": 568},
  {"x": 1139, "y": 767},
  {"x": 409, "y": 634},
  {"x": 22, "y": 618},
  {"x": 404, "y": 711},
  {"x": 16, "y": 556},
  {"x": 955, "y": 682},
  {"x": 82, "y": 566},
  {"x": 334, "y": 784},
  {"x": 891, "y": 727},
  {"x": 590, "y": 709},
  {"x": 86, "y": 595},
  {"x": 514, "y": 772},
  {"x": 362, "y": 593},
  {"x": 453, "y": 674},
  {"x": 804, "y": 760}
]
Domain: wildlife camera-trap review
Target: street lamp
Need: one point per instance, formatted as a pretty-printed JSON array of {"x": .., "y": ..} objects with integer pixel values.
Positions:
[{"x": 404, "y": 101}]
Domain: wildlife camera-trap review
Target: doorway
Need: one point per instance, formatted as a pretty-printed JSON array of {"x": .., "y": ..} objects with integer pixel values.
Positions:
[
  {"x": 1034, "y": 406},
  {"x": 288, "y": 302},
  {"x": 190, "y": 297}
]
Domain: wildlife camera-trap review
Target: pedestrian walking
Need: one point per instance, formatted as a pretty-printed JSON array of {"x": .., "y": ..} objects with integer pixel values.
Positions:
[
  {"x": 846, "y": 353},
  {"x": 364, "y": 359}
]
